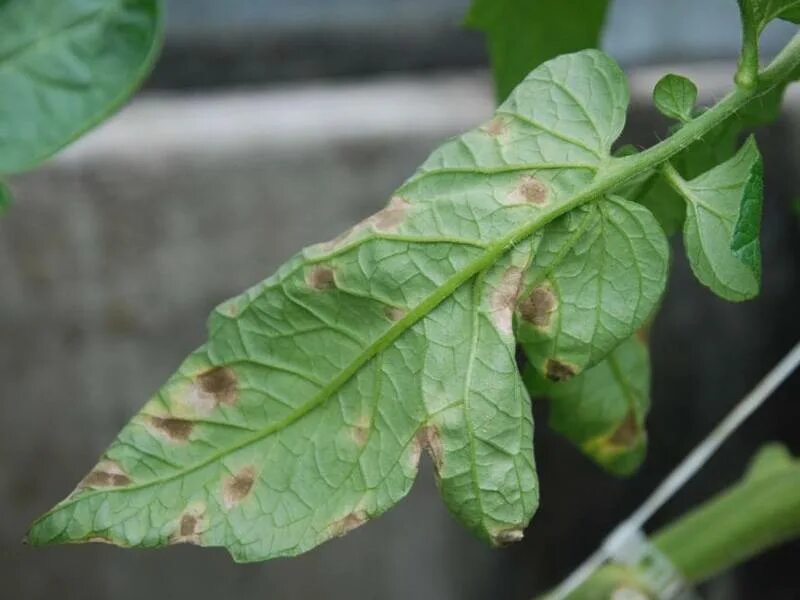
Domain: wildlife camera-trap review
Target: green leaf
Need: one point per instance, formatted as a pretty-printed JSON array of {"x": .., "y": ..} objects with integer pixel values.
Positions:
[
  {"x": 522, "y": 34},
  {"x": 723, "y": 223},
  {"x": 305, "y": 413},
  {"x": 675, "y": 97},
  {"x": 598, "y": 275},
  {"x": 760, "y": 13},
  {"x": 65, "y": 65},
  {"x": 603, "y": 410},
  {"x": 5, "y": 198}
]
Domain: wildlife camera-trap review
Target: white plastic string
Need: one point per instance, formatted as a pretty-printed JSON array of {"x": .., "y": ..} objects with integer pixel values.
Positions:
[{"x": 681, "y": 474}]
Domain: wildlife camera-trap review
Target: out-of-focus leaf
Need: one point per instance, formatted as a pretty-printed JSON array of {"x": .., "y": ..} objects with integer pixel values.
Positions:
[
  {"x": 598, "y": 274},
  {"x": 65, "y": 65},
  {"x": 723, "y": 221},
  {"x": 522, "y": 34},
  {"x": 675, "y": 97},
  {"x": 603, "y": 410},
  {"x": 305, "y": 412}
]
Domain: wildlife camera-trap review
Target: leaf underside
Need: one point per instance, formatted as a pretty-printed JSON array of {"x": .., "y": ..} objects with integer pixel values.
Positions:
[
  {"x": 603, "y": 410},
  {"x": 65, "y": 65},
  {"x": 305, "y": 413},
  {"x": 723, "y": 223}
]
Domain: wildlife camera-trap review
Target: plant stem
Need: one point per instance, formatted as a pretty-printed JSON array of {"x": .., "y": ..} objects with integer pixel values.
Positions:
[
  {"x": 747, "y": 70},
  {"x": 761, "y": 511}
]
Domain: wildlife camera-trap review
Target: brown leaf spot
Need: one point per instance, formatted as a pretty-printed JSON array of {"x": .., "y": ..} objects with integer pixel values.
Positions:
[
  {"x": 503, "y": 299},
  {"x": 177, "y": 430},
  {"x": 391, "y": 217},
  {"x": 321, "y": 278},
  {"x": 539, "y": 306},
  {"x": 394, "y": 313},
  {"x": 190, "y": 526},
  {"x": 348, "y": 523},
  {"x": 507, "y": 537},
  {"x": 106, "y": 474},
  {"x": 220, "y": 383},
  {"x": 237, "y": 487},
  {"x": 559, "y": 371},
  {"x": 531, "y": 190},
  {"x": 496, "y": 127},
  {"x": 643, "y": 335},
  {"x": 428, "y": 438},
  {"x": 627, "y": 434}
]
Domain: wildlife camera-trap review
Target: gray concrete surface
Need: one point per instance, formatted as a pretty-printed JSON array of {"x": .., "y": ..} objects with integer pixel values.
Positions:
[{"x": 116, "y": 251}]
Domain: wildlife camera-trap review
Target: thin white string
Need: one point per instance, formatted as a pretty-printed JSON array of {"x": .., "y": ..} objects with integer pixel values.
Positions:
[{"x": 682, "y": 473}]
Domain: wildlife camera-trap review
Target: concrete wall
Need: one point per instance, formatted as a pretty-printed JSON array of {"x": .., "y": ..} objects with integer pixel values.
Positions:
[{"x": 115, "y": 253}]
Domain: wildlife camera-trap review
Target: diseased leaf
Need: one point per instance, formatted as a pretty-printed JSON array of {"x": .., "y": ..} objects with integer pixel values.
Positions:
[
  {"x": 5, "y": 198},
  {"x": 305, "y": 413},
  {"x": 598, "y": 274},
  {"x": 522, "y": 34},
  {"x": 723, "y": 221},
  {"x": 65, "y": 65},
  {"x": 675, "y": 97},
  {"x": 603, "y": 410}
]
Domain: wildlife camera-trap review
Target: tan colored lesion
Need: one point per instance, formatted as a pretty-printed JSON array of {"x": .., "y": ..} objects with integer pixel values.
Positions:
[
  {"x": 348, "y": 523},
  {"x": 176, "y": 430},
  {"x": 107, "y": 474},
  {"x": 529, "y": 190},
  {"x": 321, "y": 278},
  {"x": 190, "y": 525},
  {"x": 394, "y": 313},
  {"x": 360, "y": 432},
  {"x": 497, "y": 127},
  {"x": 504, "y": 298},
  {"x": 506, "y": 537},
  {"x": 238, "y": 486},
  {"x": 538, "y": 307},
  {"x": 387, "y": 220},
  {"x": 557, "y": 370}
]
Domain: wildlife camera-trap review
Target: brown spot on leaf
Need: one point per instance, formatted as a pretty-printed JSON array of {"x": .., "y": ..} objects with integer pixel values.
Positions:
[
  {"x": 348, "y": 523},
  {"x": 220, "y": 383},
  {"x": 391, "y": 217},
  {"x": 496, "y": 127},
  {"x": 539, "y": 306},
  {"x": 530, "y": 190},
  {"x": 507, "y": 537},
  {"x": 178, "y": 430},
  {"x": 190, "y": 525},
  {"x": 394, "y": 313},
  {"x": 428, "y": 438},
  {"x": 237, "y": 487},
  {"x": 559, "y": 371},
  {"x": 643, "y": 335},
  {"x": 503, "y": 299},
  {"x": 106, "y": 474},
  {"x": 627, "y": 434},
  {"x": 321, "y": 278}
]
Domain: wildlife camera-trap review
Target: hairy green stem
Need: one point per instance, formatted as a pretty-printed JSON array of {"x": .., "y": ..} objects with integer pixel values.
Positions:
[
  {"x": 754, "y": 515},
  {"x": 747, "y": 69}
]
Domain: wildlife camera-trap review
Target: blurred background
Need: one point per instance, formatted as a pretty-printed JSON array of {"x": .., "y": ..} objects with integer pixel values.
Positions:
[{"x": 269, "y": 125}]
